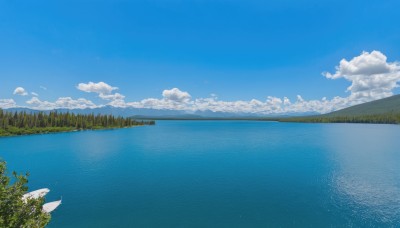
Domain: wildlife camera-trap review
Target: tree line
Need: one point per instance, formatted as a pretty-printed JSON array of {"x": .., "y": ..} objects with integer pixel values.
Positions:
[
  {"x": 385, "y": 118},
  {"x": 17, "y": 123}
]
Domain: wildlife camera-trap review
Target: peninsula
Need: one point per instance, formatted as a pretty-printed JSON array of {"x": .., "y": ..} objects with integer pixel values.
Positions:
[{"x": 27, "y": 123}]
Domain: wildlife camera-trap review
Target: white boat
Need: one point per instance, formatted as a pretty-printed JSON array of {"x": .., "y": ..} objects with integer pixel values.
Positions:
[
  {"x": 35, "y": 194},
  {"x": 49, "y": 207}
]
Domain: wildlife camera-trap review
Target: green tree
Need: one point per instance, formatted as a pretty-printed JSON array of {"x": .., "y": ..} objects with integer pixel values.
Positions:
[{"x": 14, "y": 212}]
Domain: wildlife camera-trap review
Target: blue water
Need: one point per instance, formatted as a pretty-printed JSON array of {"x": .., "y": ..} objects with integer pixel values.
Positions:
[{"x": 217, "y": 174}]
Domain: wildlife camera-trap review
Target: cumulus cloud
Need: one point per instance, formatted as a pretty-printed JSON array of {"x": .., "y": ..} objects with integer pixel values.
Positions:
[
  {"x": 104, "y": 91},
  {"x": 176, "y": 95},
  {"x": 364, "y": 64},
  {"x": 371, "y": 76},
  {"x": 7, "y": 103},
  {"x": 171, "y": 99},
  {"x": 68, "y": 102},
  {"x": 286, "y": 101},
  {"x": 116, "y": 96},
  {"x": 62, "y": 102},
  {"x": 100, "y": 87},
  {"x": 115, "y": 100},
  {"x": 34, "y": 94},
  {"x": 20, "y": 91}
]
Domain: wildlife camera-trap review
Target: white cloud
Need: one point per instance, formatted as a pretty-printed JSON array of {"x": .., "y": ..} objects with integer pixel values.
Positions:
[
  {"x": 364, "y": 64},
  {"x": 154, "y": 103},
  {"x": 43, "y": 88},
  {"x": 104, "y": 91},
  {"x": 286, "y": 101},
  {"x": 34, "y": 94},
  {"x": 120, "y": 103},
  {"x": 172, "y": 99},
  {"x": 116, "y": 100},
  {"x": 371, "y": 76},
  {"x": 68, "y": 102},
  {"x": 100, "y": 87},
  {"x": 20, "y": 91},
  {"x": 176, "y": 95},
  {"x": 62, "y": 102},
  {"x": 7, "y": 103},
  {"x": 38, "y": 104},
  {"x": 116, "y": 96}
]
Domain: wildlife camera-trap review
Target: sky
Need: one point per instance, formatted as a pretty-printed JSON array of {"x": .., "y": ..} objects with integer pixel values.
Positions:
[{"x": 234, "y": 56}]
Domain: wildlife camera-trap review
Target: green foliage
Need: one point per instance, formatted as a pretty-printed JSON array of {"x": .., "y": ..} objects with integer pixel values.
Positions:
[
  {"x": 14, "y": 212},
  {"x": 377, "y": 107},
  {"x": 383, "y": 111},
  {"x": 384, "y": 118},
  {"x": 23, "y": 123}
]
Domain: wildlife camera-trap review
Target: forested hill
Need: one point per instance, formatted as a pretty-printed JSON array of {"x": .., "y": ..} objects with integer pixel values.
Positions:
[
  {"x": 22, "y": 123},
  {"x": 382, "y": 106},
  {"x": 385, "y": 110}
]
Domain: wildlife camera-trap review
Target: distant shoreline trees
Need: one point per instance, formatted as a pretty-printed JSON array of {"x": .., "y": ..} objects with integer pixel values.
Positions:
[
  {"x": 384, "y": 118},
  {"x": 23, "y": 123}
]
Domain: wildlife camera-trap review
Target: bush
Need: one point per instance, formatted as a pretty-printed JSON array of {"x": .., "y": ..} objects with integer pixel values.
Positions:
[{"x": 14, "y": 212}]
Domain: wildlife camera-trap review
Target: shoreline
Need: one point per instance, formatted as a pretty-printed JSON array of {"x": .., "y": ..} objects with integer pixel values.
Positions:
[
  {"x": 278, "y": 120},
  {"x": 69, "y": 131},
  {"x": 203, "y": 119}
]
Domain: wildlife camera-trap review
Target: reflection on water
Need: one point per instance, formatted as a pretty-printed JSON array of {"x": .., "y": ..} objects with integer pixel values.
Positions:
[
  {"x": 366, "y": 179},
  {"x": 372, "y": 199}
]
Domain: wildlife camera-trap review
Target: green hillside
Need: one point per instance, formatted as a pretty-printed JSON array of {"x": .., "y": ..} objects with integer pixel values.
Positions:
[
  {"x": 382, "y": 106},
  {"x": 383, "y": 111}
]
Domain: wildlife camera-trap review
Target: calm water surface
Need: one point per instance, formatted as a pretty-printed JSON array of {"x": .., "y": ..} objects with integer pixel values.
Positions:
[{"x": 217, "y": 174}]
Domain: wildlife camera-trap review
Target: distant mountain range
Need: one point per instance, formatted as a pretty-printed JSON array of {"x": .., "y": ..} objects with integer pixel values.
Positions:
[{"x": 382, "y": 106}]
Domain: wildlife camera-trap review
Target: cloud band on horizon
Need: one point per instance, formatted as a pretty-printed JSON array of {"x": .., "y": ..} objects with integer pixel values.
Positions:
[{"x": 371, "y": 77}]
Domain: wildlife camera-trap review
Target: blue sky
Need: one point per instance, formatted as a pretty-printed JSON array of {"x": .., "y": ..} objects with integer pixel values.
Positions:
[{"x": 238, "y": 50}]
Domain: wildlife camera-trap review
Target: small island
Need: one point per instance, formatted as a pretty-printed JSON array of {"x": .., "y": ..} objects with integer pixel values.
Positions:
[{"x": 27, "y": 123}]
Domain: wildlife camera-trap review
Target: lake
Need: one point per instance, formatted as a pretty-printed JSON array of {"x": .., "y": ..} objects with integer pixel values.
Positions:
[{"x": 217, "y": 174}]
